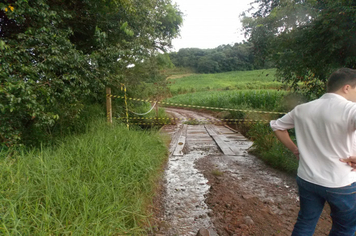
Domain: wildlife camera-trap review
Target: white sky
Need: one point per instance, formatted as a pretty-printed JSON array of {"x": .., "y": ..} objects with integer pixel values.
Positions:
[{"x": 210, "y": 23}]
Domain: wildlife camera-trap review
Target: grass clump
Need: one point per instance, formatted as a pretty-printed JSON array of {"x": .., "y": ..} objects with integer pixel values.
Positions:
[{"x": 94, "y": 184}]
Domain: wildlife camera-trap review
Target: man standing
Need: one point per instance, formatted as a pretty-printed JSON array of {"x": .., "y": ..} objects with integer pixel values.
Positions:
[{"x": 325, "y": 132}]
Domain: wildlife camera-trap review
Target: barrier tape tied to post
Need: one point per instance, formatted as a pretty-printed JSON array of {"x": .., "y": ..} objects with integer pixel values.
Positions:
[{"x": 196, "y": 106}]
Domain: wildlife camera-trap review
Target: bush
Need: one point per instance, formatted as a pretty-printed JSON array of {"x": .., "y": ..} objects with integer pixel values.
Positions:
[{"x": 270, "y": 149}]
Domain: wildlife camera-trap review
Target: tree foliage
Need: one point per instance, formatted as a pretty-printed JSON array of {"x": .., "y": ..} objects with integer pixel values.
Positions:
[
  {"x": 221, "y": 59},
  {"x": 306, "y": 39},
  {"x": 56, "y": 56}
]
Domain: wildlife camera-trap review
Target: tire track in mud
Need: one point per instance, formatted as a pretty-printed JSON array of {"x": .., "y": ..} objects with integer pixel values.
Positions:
[{"x": 225, "y": 194}]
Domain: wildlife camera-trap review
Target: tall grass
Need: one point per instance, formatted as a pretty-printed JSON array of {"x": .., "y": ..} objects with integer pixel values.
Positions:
[
  {"x": 94, "y": 184},
  {"x": 269, "y": 100},
  {"x": 269, "y": 149}
]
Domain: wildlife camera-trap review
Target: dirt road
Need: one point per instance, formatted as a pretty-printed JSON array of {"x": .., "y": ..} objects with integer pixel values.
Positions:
[{"x": 213, "y": 183}]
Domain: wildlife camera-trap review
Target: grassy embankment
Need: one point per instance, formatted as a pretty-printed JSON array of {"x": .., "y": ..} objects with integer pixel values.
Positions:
[
  {"x": 97, "y": 183},
  {"x": 251, "y": 90}
]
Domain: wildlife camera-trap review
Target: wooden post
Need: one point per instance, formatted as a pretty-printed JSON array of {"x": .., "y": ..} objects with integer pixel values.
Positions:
[
  {"x": 108, "y": 105},
  {"x": 157, "y": 109}
]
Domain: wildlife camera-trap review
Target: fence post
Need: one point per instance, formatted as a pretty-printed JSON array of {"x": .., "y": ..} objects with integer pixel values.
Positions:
[{"x": 108, "y": 105}]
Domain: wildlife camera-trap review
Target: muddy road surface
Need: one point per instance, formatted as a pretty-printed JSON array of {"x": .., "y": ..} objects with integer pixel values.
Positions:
[{"x": 213, "y": 186}]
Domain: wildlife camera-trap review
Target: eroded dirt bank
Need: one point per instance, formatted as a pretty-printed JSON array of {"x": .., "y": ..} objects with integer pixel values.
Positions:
[{"x": 235, "y": 194}]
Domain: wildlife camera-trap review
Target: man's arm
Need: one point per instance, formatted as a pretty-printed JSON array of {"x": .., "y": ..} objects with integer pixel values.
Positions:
[{"x": 284, "y": 137}]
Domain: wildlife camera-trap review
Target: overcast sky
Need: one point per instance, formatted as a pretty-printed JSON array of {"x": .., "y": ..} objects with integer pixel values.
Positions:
[{"x": 210, "y": 23}]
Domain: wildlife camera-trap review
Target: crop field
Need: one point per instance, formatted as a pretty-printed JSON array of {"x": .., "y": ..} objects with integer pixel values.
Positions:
[
  {"x": 256, "y": 89},
  {"x": 268, "y": 100},
  {"x": 235, "y": 80}
]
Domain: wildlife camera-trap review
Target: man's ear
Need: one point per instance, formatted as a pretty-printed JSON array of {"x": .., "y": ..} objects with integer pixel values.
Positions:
[{"x": 346, "y": 88}]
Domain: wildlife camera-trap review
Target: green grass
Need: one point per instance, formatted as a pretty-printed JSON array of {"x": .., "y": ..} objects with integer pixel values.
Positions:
[
  {"x": 269, "y": 100},
  {"x": 99, "y": 183},
  {"x": 257, "y": 79},
  {"x": 269, "y": 149}
]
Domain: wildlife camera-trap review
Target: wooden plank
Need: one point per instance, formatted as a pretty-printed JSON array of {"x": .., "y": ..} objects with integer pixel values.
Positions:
[
  {"x": 222, "y": 145},
  {"x": 178, "y": 151},
  {"x": 174, "y": 140},
  {"x": 184, "y": 130},
  {"x": 179, "y": 148},
  {"x": 210, "y": 129},
  {"x": 237, "y": 151}
]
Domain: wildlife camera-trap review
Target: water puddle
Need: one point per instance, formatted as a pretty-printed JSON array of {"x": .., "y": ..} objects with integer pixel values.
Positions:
[{"x": 186, "y": 187}]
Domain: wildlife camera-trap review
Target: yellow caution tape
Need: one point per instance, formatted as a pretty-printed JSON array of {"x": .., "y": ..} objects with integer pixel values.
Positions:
[
  {"x": 195, "y": 106},
  {"x": 127, "y": 110},
  {"x": 210, "y": 121},
  {"x": 191, "y": 119},
  {"x": 108, "y": 115},
  {"x": 158, "y": 123}
]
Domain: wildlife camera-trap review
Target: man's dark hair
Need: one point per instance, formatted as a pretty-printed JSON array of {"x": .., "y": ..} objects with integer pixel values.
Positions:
[{"x": 340, "y": 78}]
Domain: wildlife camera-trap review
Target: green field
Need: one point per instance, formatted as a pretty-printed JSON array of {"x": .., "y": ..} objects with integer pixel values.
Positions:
[
  {"x": 257, "y": 79},
  {"x": 236, "y": 90}
]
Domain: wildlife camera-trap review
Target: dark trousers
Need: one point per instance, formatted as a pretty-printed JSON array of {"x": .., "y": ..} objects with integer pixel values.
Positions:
[{"x": 342, "y": 202}]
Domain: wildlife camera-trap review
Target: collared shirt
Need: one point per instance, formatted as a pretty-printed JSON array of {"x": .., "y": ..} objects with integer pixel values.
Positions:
[{"x": 325, "y": 132}]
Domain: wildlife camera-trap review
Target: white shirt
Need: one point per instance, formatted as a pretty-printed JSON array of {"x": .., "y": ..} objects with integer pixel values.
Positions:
[{"x": 325, "y": 131}]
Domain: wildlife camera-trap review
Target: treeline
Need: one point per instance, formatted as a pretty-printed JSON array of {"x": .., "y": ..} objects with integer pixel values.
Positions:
[
  {"x": 57, "y": 57},
  {"x": 237, "y": 57}
]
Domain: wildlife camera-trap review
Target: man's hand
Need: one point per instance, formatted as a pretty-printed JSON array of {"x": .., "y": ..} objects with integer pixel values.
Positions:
[
  {"x": 296, "y": 153},
  {"x": 351, "y": 161}
]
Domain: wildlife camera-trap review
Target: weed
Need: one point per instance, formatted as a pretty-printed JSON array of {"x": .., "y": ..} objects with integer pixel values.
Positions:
[{"x": 216, "y": 172}]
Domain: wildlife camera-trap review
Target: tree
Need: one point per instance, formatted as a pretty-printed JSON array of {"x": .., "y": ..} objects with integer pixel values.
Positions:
[
  {"x": 223, "y": 58},
  {"x": 305, "y": 39},
  {"x": 58, "y": 55},
  {"x": 207, "y": 65}
]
